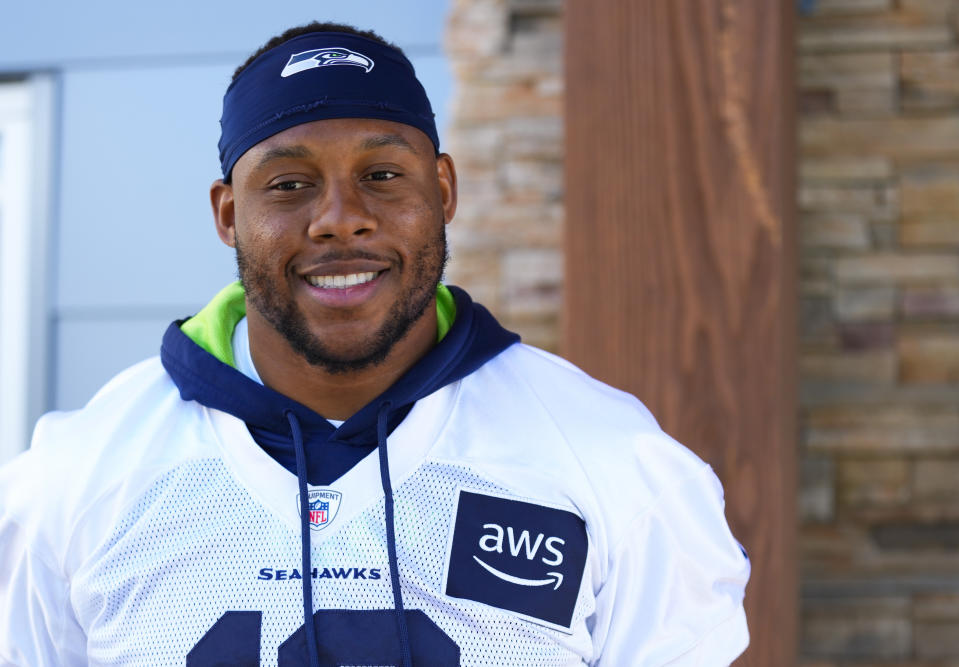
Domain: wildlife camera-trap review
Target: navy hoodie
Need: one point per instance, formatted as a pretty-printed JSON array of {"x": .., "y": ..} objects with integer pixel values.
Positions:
[
  {"x": 474, "y": 338},
  {"x": 304, "y": 442}
]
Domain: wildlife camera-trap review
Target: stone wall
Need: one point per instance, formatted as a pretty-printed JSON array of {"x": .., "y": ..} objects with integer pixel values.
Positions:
[
  {"x": 879, "y": 302},
  {"x": 879, "y": 234},
  {"x": 506, "y": 137}
]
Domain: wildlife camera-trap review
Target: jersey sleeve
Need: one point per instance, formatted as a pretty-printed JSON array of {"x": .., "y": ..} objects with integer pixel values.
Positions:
[
  {"x": 674, "y": 592},
  {"x": 37, "y": 626}
]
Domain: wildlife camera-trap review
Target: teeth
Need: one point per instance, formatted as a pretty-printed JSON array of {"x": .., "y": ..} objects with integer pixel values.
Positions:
[{"x": 340, "y": 282}]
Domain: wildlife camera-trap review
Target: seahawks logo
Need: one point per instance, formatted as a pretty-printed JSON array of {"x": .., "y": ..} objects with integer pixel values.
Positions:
[{"x": 305, "y": 60}]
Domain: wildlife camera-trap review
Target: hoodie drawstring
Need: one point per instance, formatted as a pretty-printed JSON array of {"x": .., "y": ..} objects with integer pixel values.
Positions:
[
  {"x": 402, "y": 631},
  {"x": 401, "y": 628},
  {"x": 304, "y": 538}
]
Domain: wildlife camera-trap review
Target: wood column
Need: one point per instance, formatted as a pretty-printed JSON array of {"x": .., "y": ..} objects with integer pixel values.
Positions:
[{"x": 680, "y": 276}]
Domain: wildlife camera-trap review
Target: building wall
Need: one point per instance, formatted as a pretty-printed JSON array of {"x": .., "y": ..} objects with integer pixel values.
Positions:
[
  {"x": 506, "y": 136},
  {"x": 879, "y": 301},
  {"x": 879, "y": 206},
  {"x": 138, "y": 90}
]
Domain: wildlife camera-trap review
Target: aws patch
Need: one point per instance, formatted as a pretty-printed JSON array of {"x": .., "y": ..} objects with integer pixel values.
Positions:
[{"x": 518, "y": 556}]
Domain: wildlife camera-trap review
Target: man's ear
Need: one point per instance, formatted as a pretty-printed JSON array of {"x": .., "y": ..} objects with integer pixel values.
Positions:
[
  {"x": 446, "y": 173},
  {"x": 221, "y": 198}
]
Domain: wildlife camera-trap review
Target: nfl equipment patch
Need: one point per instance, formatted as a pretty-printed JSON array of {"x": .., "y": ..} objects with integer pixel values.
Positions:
[
  {"x": 323, "y": 504},
  {"x": 518, "y": 556}
]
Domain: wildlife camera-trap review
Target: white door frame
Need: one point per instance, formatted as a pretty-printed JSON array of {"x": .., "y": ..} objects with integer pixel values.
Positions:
[{"x": 26, "y": 171}]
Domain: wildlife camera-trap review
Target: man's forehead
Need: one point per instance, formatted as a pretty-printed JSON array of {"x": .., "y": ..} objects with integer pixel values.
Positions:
[{"x": 311, "y": 139}]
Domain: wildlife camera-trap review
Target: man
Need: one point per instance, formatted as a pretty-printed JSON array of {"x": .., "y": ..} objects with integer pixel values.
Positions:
[{"x": 339, "y": 460}]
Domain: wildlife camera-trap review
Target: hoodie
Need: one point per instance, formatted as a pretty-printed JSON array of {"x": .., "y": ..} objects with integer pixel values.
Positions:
[{"x": 197, "y": 353}]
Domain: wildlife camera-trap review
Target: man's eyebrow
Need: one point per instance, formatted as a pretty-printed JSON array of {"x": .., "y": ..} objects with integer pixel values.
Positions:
[
  {"x": 381, "y": 140},
  {"x": 296, "y": 151}
]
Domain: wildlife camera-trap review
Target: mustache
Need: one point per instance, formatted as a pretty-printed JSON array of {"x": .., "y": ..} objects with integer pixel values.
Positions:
[{"x": 348, "y": 255}]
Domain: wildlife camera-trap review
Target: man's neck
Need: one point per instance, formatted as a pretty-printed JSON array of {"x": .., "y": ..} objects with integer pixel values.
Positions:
[{"x": 334, "y": 395}]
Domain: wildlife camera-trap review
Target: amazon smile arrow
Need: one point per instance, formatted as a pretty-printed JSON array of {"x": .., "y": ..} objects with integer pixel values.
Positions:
[{"x": 553, "y": 577}]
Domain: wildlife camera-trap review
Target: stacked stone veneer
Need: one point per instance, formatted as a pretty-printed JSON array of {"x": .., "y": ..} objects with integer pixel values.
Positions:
[
  {"x": 879, "y": 306},
  {"x": 879, "y": 301},
  {"x": 506, "y": 137}
]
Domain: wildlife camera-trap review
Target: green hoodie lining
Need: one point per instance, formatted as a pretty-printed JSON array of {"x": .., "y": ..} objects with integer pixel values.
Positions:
[{"x": 212, "y": 328}]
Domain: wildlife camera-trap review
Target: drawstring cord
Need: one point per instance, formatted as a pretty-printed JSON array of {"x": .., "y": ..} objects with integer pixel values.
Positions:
[
  {"x": 401, "y": 628},
  {"x": 304, "y": 538}
]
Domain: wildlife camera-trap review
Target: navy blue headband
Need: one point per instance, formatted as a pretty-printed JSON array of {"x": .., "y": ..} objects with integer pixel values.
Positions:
[{"x": 318, "y": 76}]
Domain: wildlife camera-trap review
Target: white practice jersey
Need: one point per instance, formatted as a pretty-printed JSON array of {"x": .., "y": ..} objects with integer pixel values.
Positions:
[{"x": 542, "y": 518}]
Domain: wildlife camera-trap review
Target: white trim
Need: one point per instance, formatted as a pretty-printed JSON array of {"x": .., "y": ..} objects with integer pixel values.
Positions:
[{"x": 25, "y": 166}]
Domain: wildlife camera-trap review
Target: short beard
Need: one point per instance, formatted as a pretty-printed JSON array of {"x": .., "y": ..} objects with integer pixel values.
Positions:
[{"x": 286, "y": 318}]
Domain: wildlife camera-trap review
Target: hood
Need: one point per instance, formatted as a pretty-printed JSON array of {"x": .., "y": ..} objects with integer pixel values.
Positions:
[{"x": 198, "y": 355}]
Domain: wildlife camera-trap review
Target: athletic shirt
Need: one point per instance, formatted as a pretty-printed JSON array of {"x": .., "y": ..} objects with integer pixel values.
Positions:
[{"x": 241, "y": 351}]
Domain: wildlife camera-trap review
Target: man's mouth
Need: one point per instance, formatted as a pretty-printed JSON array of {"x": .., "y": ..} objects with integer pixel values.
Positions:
[{"x": 342, "y": 282}]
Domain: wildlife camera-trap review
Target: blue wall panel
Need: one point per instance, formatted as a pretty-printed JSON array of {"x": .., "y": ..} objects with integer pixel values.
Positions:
[
  {"x": 44, "y": 32},
  {"x": 139, "y": 154},
  {"x": 91, "y": 351}
]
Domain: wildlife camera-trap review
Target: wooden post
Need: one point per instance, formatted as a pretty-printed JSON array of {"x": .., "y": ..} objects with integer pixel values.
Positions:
[{"x": 680, "y": 281}]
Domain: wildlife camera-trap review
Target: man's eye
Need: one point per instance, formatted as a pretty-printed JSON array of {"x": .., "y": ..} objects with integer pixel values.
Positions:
[
  {"x": 288, "y": 186},
  {"x": 381, "y": 176}
]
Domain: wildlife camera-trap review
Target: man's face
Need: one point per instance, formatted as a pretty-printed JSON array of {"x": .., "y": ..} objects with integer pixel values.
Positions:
[{"x": 339, "y": 230}]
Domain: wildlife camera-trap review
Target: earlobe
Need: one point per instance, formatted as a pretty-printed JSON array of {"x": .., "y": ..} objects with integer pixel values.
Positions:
[
  {"x": 446, "y": 173},
  {"x": 221, "y": 198}
]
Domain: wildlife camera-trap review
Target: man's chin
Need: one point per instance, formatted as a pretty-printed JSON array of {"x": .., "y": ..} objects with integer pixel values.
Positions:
[
  {"x": 345, "y": 351},
  {"x": 345, "y": 362},
  {"x": 357, "y": 346}
]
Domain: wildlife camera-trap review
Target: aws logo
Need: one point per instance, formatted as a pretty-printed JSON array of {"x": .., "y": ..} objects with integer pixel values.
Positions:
[
  {"x": 520, "y": 542},
  {"x": 518, "y": 556}
]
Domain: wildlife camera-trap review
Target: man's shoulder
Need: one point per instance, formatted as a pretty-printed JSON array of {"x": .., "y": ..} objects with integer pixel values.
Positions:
[
  {"x": 117, "y": 410},
  {"x": 557, "y": 405},
  {"x": 131, "y": 383},
  {"x": 133, "y": 430},
  {"x": 84, "y": 466},
  {"x": 567, "y": 392}
]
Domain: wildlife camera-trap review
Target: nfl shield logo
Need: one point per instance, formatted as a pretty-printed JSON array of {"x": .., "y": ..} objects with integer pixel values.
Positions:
[{"x": 322, "y": 505}]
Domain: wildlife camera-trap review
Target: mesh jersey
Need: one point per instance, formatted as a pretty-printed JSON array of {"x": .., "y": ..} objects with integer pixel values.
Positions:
[{"x": 148, "y": 530}]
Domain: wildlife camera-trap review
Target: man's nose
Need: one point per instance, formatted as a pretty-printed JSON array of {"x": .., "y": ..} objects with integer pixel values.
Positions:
[{"x": 341, "y": 213}]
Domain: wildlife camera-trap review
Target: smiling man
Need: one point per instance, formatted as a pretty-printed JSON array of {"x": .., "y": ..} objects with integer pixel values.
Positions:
[
  {"x": 338, "y": 226},
  {"x": 340, "y": 460}
]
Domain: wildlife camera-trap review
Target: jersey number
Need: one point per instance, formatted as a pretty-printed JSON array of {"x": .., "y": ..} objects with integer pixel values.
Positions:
[{"x": 345, "y": 636}]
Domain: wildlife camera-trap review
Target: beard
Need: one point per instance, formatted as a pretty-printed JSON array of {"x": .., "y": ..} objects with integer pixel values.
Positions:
[{"x": 264, "y": 294}]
